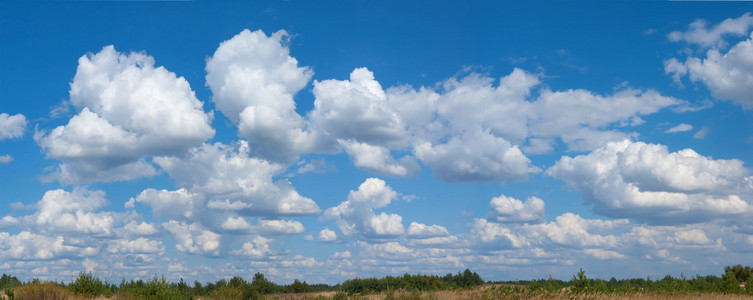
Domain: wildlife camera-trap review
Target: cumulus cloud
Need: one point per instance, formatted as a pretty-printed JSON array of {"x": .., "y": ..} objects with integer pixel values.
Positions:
[
  {"x": 476, "y": 156},
  {"x": 137, "y": 246},
  {"x": 646, "y": 182},
  {"x": 258, "y": 247},
  {"x": 12, "y": 126},
  {"x": 680, "y": 128},
  {"x": 698, "y": 32},
  {"x": 193, "y": 238},
  {"x": 129, "y": 109},
  {"x": 279, "y": 227},
  {"x": 31, "y": 246},
  {"x": 495, "y": 120},
  {"x": 75, "y": 212},
  {"x": 327, "y": 235},
  {"x": 6, "y": 159},
  {"x": 357, "y": 109},
  {"x": 253, "y": 80},
  {"x": 419, "y": 230},
  {"x": 231, "y": 179},
  {"x": 356, "y": 216},
  {"x": 729, "y": 76},
  {"x": 174, "y": 205},
  {"x": 510, "y": 210},
  {"x": 378, "y": 160}
]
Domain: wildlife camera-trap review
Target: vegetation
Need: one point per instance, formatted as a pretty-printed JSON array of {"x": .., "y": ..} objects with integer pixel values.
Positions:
[{"x": 736, "y": 281}]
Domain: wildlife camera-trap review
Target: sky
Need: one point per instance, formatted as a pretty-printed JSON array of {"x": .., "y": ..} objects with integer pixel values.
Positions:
[{"x": 326, "y": 141}]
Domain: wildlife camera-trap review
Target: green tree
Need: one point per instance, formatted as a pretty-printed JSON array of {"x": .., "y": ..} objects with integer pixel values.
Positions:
[
  {"x": 741, "y": 273},
  {"x": 579, "y": 282}
]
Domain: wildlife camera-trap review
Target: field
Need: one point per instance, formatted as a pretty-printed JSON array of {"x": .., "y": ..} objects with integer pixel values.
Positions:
[{"x": 734, "y": 284}]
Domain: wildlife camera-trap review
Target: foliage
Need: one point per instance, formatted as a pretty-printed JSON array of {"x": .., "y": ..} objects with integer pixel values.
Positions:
[
  {"x": 408, "y": 282},
  {"x": 87, "y": 285},
  {"x": 739, "y": 272},
  {"x": 155, "y": 288}
]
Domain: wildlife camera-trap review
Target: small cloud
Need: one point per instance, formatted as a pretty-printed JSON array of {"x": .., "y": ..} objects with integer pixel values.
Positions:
[
  {"x": 466, "y": 213},
  {"x": 6, "y": 159},
  {"x": 318, "y": 166},
  {"x": 680, "y": 128},
  {"x": 701, "y": 133},
  {"x": 649, "y": 31},
  {"x": 691, "y": 107}
]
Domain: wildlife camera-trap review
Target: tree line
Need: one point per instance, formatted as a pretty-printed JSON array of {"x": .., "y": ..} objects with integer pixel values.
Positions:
[{"x": 736, "y": 279}]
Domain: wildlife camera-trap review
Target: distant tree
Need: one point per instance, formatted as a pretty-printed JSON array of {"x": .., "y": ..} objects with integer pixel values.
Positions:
[{"x": 741, "y": 273}]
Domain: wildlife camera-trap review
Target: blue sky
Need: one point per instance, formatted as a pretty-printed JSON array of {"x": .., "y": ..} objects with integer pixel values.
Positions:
[{"x": 325, "y": 141}]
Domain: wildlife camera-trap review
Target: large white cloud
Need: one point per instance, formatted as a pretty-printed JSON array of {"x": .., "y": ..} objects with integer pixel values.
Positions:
[
  {"x": 31, "y": 246},
  {"x": 728, "y": 75},
  {"x": 130, "y": 109},
  {"x": 12, "y": 126},
  {"x": 646, "y": 182},
  {"x": 230, "y": 179},
  {"x": 357, "y": 109},
  {"x": 471, "y": 128},
  {"x": 75, "y": 213},
  {"x": 356, "y": 216},
  {"x": 253, "y": 80}
]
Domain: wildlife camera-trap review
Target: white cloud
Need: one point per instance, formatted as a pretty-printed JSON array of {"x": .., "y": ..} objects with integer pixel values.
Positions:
[
  {"x": 12, "y": 126},
  {"x": 6, "y": 159},
  {"x": 193, "y": 238},
  {"x": 356, "y": 216},
  {"x": 490, "y": 235},
  {"x": 137, "y": 246},
  {"x": 680, "y": 128},
  {"x": 378, "y": 160},
  {"x": 256, "y": 248},
  {"x": 236, "y": 224},
  {"x": 699, "y": 34},
  {"x": 253, "y": 80},
  {"x": 26, "y": 245},
  {"x": 129, "y": 110},
  {"x": 571, "y": 230},
  {"x": 604, "y": 254},
  {"x": 174, "y": 205},
  {"x": 357, "y": 109},
  {"x": 691, "y": 237},
  {"x": 510, "y": 210},
  {"x": 230, "y": 179},
  {"x": 419, "y": 230},
  {"x": 140, "y": 228},
  {"x": 60, "y": 211},
  {"x": 475, "y": 156},
  {"x": 648, "y": 183},
  {"x": 729, "y": 76},
  {"x": 278, "y": 227},
  {"x": 327, "y": 235}
]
